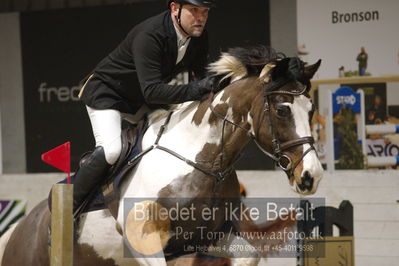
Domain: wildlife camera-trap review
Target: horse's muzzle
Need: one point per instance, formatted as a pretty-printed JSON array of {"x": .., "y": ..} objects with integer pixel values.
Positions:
[{"x": 307, "y": 182}]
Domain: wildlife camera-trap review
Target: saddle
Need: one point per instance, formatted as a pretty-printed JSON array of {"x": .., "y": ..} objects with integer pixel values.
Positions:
[
  {"x": 130, "y": 156},
  {"x": 107, "y": 193}
]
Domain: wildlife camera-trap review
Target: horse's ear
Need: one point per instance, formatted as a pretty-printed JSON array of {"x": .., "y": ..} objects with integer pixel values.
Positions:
[
  {"x": 264, "y": 75},
  {"x": 311, "y": 69}
]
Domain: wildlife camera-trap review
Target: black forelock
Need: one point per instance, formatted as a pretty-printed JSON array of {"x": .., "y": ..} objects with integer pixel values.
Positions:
[
  {"x": 255, "y": 57},
  {"x": 287, "y": 70}
]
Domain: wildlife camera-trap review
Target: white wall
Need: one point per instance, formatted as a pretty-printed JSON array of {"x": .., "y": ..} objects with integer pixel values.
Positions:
[
  {"x": 283, "y": 20},
  {"x": 393, "y": 93},
  {"x": 1, "y": 148},
  {"x": 30, "y": 187},
  {"x": 11, "y": 96},
  {"x": 339, "y": 43}
]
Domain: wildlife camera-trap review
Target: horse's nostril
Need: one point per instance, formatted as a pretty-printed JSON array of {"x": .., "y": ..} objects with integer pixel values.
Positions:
[
  {"x": 308, "y": 183},
  {"x": 307, "y": 180},
  {"x": 306, "y": 175}
]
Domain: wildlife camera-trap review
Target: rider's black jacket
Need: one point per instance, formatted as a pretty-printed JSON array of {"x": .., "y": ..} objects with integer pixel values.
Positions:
[{"x": 138, "y": 70}]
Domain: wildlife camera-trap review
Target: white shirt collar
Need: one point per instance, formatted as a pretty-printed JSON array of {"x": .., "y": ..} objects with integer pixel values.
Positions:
[
  {"x": 182, "y": 44},
  {"x": 181, "y": 40}
]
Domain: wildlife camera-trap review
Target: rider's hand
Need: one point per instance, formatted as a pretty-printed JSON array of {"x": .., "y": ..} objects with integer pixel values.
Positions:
[
  {"x": 204, "y": 85},
  {"x": 208, "y": 84}
]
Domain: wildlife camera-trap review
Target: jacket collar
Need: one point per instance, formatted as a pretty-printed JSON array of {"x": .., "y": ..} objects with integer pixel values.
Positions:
[{"x": 170, "y": 36}]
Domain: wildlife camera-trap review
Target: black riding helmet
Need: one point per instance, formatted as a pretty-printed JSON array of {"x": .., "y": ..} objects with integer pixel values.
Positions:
[{"x": 202, "y": 3}]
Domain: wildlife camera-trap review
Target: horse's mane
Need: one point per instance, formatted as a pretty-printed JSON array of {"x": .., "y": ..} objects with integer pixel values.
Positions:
[
  {"x": 242, "y": 62},
  {"x": 235, "y": 64}
]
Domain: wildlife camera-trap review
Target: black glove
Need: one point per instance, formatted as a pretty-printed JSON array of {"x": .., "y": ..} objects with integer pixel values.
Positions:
[{"x": 208, "y": 84}]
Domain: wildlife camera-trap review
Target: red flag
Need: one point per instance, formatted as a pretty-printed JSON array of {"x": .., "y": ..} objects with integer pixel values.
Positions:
[{"x": 59, "y": 157}]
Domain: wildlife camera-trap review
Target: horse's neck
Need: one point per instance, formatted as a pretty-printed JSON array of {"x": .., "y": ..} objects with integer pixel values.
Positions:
[{"x": 196, "y": 133}]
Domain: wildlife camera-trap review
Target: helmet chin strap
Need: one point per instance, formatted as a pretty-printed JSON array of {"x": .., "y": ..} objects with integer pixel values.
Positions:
[{"x": 178, "y": 18}]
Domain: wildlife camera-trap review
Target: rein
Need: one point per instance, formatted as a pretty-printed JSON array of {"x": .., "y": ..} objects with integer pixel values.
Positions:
[
  {"x": 278, "y": 153},
  {"x": 278, "y": 156}
]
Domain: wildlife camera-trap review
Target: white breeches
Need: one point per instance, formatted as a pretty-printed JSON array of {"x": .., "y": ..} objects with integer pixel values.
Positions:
[
  {"x": 107, "y": 128},
  {"x": 106, "y": 125}
]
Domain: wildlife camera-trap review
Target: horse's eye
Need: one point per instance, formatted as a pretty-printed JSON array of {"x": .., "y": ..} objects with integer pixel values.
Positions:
[{"x": 283, "y": 111}]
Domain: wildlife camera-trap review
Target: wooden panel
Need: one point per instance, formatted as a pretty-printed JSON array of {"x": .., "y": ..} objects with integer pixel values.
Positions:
[
  {"x": 374, "y": 247},
  {"x": 338, "y": 179},
  {"x": 377, "y": 230},
  {"x": 376, "y": 212},
  {"x": 361, "y": 178},
  {"x": 357, "y": 80},
  {"x": 377, "y": 260},
  {"x": 330, "y": 251},
  {"x": 381, "y": 195}
]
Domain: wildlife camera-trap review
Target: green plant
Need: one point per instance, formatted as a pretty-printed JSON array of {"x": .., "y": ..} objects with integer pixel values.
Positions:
[
  {"x": 351, "y": 155},
  {"x": 354, "y": 73}
]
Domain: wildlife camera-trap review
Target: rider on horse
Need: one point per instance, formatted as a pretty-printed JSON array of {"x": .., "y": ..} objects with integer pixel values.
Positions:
[{"x": 168, "y": 49}]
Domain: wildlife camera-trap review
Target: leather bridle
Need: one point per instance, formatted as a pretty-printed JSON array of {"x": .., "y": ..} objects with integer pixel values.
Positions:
[
  {"x": 278, "y": 148},
  {"x": 282, "y": 160}
]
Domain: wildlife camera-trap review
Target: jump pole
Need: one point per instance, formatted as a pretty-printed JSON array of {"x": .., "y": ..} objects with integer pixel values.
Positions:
[
  {"x": 61, "y": 252},
  {"x": 62, "y": 225},
  {"x": 382, "y": 129},
  {"x": 382, "y": 161}
]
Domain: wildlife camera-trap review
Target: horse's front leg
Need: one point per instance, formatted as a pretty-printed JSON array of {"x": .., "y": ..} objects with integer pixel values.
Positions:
[
  {"x": 146, "y": 245},
  {"x": 237, "y": 249},
  {"x": 262, "y": 236},
  {"x": 151, "y": 261},
  {"x": 147, "y": 235}
]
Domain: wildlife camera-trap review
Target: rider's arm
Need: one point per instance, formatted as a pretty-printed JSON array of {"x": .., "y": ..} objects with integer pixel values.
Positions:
[{"x": 147, "y": 53}]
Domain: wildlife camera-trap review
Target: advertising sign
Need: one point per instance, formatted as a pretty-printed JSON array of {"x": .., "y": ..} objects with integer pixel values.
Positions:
[
  {"x": 335, "y": 31},
  {"x": 346, "y": 96}
]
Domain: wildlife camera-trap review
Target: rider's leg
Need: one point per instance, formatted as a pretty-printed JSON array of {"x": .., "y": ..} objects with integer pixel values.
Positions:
[{"x": 106, "y": 125}]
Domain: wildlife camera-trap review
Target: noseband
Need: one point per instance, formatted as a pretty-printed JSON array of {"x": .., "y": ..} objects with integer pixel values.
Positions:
[{"x": 282, "y": 160}]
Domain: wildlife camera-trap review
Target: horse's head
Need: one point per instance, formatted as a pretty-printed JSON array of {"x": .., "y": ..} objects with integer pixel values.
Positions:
[
  {"x": 282, "y": 112},
  {"x": 269, "y": 96}
]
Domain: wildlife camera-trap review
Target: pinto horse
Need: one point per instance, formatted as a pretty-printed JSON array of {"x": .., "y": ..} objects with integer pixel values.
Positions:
[{"x": 192, "y": 149}]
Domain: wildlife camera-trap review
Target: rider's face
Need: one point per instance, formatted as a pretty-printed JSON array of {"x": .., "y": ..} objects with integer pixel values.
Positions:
[{"x": 193, "y": 18}]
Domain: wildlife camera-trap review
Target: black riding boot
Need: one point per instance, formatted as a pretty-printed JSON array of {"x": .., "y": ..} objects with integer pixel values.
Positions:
[{"x": 91, "y": 172}]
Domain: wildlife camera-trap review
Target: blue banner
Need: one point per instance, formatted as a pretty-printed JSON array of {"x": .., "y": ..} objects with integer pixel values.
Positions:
[{"x": 348, "y": 97}]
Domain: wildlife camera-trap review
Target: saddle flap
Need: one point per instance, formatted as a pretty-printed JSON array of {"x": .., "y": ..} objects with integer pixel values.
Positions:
[
  {"x": 129, "y": 138},
  {"x": 131, "y": 148}
]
